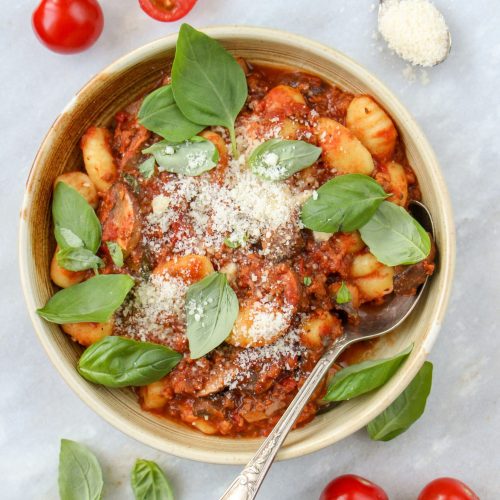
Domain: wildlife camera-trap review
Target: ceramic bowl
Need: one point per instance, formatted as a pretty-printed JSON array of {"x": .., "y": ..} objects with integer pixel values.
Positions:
[{"x": 96, "y": 104}]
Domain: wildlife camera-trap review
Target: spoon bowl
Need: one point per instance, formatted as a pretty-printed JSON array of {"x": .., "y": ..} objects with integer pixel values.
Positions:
[{"x": 373, "y": 321}]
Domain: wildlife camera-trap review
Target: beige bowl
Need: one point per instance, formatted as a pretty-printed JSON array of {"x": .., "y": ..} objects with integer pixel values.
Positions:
[{"x": 96, "y": 104}]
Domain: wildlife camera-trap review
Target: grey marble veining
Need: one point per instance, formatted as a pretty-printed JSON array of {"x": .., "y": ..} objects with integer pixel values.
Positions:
[{"x": 458, "y": 107}]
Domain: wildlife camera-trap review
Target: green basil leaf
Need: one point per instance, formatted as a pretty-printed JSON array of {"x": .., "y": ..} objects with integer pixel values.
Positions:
[
  {"x": 212, "y": 308},
  {"x": 93, "y": 300},
  {"x": 343, "y": 295},
  {"x": 121, "y": 362},
  {"x": 160, "y": 114},
  {"x": 278, "y": 159},
  {"x": 405, "y": 410},
  {"x": 344, "y": 203},
  {"x": 307, "y": 281},
  {"x": 209, "y": 86},
  {"x": 116, "y": 253},
  {"x": 132, "y": 182},
  {"x": 78, "y": 259},
  {"x": 80, "y": 475},
  {"x": 149, "y": 482},
  {"x": 191, "y": 157},
  {"x": 147, "y": 168},
  {"x": 364, "y": 377},
  {"x": 71, "y": 211},
  {"x": 395, "y": 237},
  {"x": 67, "y": 238}
]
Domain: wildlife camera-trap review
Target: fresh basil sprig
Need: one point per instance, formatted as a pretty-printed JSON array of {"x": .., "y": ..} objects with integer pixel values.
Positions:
[
  {"x": 278, "y": 159},
  {"x": 74, "y": 219},
  {"x": 212, "y": 308},
  {"x": 93, "y": 300},
  {"x": 78, "y": 259},
  {"x": 120, "y": 362},
  {"x": 116, "y": 253},
  {"x": 191, "y": 157},
  {"x": 147, "y": 168},
  {"x": 149, "y": 482},
  {"x": 364, "y": 377},
  {"x": 80, "y": 475},
  {"x": 209, "y": 86},
  {"x": 344, "y": 203},
  {"x": 395, "y": 237},
  {"x": 160, "y": 114},
  {"x": 343, "y": 295},
  {"x": 405, "y": 410}
]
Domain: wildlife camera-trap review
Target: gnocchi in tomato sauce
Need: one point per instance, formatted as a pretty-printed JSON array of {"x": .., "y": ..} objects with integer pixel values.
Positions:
[{"x": 174, "y": 230}]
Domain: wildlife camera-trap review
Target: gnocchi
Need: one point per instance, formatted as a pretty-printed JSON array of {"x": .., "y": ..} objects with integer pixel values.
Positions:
[
  {"x": 98, "y": 157},
  {"x": 284, "y": 100},
  {"x": 372, "y": 278},
  {"x": 81, "y": 183},
  {"x": 342, "y": 150},
  {"x": 63, "y": 277},
  {"x": 153, "y": 395},
  {"x": 372, "y": 126},
  {"x": 88, "y": 333},
  {"x": 190, "y": 268},
  {"x": 319, "y": 325}
]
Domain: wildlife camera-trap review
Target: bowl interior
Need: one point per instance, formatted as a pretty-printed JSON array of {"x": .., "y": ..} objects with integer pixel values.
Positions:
[{"x": 96, "y": 104}]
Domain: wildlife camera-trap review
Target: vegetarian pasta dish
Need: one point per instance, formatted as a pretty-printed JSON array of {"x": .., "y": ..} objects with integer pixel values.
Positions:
[{"x": 227, "y": 224}]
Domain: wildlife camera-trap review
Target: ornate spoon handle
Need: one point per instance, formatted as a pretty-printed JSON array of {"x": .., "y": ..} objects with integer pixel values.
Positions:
[{"x": 246, "y": 485}]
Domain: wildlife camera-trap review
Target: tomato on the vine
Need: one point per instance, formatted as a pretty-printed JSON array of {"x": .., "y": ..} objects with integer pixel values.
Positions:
[
  {"x": 447, "y": 488},
  {"x": 351, "y": 487},
  {"x": 166, "y": 10},
  {"x": 68, "y": 26}
]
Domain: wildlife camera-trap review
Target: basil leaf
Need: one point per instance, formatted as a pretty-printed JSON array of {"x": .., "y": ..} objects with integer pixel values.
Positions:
[
  {"x": 307, "y": 281},
  {"x": 132, "y": 182},
  {"x": 209, "y": 86},
  {"x": 343, "y": 295},
  {"x": 344, "y": 203},
  {"x": 147, "y": 168},
  {"x": 278, "y": 159},
  {"x": 78, "y": 259},
  {"x": 395, "y": 237},
  {"x": 72, "y": 214},
  {"x": 80, "y": 475},
  {"x": 116, "y": 253},
  {"x": 149, "y": 482},
  {"x": 160, "y": 114},
  {"x": 67, "y": 238},
  {"x": 212, "y": 308},
  {"x": 364, "y": 377},
  {"x": 121, "y": 362},
  {"x": 191, "y": 157},
  {"x": 405, "y": 410},
  {"x": 93, "y": 300}
]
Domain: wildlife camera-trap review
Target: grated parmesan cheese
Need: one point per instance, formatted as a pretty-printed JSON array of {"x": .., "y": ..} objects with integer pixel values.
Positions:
[{"x": 415, "y": 30}]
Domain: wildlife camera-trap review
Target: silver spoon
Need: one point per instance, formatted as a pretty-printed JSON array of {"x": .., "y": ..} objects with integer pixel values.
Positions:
[
  {"x": 375, "y": 321},
  {"x": 445, "y": 56}
]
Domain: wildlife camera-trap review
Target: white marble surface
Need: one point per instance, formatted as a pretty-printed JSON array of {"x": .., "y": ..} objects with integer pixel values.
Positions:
[{"x": 459, "y": 110}]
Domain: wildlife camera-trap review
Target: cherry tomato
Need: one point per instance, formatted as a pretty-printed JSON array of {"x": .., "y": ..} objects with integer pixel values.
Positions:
[
  {"x": 447, "y": 488},
  {"x": 351, "y": 487},
  {"x": 166, "y": 10},
  {"x": 68, "y": 26}
]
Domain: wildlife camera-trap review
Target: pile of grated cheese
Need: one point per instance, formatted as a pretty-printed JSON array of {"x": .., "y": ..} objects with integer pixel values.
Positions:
[
  {"x": 153, "y": 308},
  {"x": 415, "y": 30}
]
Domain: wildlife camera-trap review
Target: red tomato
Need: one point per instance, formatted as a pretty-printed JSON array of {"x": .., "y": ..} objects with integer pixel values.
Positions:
[
  {"x": 447, "y": 488},
  {"x": 351, "y": 487},
  {"x": 68, "y": 26},
  {"x": 166, "y": 10}
]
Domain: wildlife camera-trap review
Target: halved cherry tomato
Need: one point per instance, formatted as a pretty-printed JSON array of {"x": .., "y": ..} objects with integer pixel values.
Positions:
[
  {"x": 447, "y": 488},
  {"x": 68, "y": 26},
  {"x": 351, "y": 487},
  {"x": 166, "y": 10}
]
